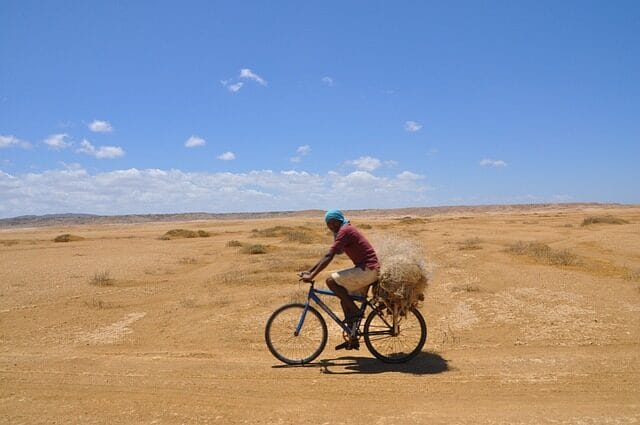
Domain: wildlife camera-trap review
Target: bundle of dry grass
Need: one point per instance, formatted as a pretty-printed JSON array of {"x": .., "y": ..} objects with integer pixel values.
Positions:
[{"x": 404, "y": 273}]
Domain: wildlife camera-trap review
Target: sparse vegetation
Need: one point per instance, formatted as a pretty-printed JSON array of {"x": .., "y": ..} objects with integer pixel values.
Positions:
[
  {"x": 411, "y": 220},
  {"x": 254, "y": 249},
  {"x": 102, "y": 278},
  {"x": 603, "y": 219},
  {"x": 184, "y": 233},
  {"x": 187, "y": 260},
  {"x": 364, "y": 226},
  {"x": 66, "y": 237},
  {"x": 234, "y": 244},
  {"x": 230, "y": 278},
  {"x": 100, "y": 304},
  {"x": 9, "y": 243},
  {"x": 188, "y": 302},
  {"x": 466, "y": 288},
  {"x": 470, "y": 244},
  {"x": 633, "y": 274},
  {"x": 543, "y": 253},
  {"x": 299, "y": 234}
]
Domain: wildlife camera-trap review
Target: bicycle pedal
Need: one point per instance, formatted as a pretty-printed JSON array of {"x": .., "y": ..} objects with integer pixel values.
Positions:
[{"x": 348, "y": 346}]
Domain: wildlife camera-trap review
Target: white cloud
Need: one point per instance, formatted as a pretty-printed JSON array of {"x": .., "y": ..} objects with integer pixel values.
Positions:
[
  {"x": 57, "y": 141},
  {"x": 328, "y": 81},
  {"x": 171, "y": 191},
  {"x": 497, "y": 163},
  {"x": 408, "y": 175},
  {"x": 250, "y": 75},
  {"x": 233, "y": 88},
  {"x": 194, "y": 141},
  {"x": 103, "y": 152},
  {"x": 98, "y": 126},
  {"x": 412, "y": 126},
  {"x": 12, "y": 141},
  {"x": 227, "y": 156},
  {"x": 303, "y": 150},
  {"x": 365, "y": 163}
]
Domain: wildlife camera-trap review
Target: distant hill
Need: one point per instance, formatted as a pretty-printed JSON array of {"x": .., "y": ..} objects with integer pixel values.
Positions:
[{"x": 74, "y": 219}]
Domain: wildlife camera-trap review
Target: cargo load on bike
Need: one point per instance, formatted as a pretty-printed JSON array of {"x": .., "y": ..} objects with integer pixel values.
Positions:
[{"x": 404, "y": 274}]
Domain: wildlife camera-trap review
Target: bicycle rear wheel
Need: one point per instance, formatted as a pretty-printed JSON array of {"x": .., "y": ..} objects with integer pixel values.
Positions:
[
  {"x": 291, "y": 346},
  {"x": 395, "y": 346}
]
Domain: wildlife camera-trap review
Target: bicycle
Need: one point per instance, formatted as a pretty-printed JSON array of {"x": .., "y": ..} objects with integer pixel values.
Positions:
[{"x": 296, "y": 333}]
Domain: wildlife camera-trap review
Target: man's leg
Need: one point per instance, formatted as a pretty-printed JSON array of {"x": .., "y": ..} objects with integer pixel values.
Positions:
[{"x": 348, "y": 306}]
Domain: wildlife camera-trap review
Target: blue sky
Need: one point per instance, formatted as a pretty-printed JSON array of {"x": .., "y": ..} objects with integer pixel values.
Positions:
[{"x": 156, "y": 106}]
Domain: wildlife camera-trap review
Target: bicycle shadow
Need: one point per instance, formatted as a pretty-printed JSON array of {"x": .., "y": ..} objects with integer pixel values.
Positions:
[{"x": 424, "y": 363}]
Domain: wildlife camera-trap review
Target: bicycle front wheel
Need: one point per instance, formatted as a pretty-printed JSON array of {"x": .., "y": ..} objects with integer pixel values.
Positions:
[
  {"x": 395, "y": 344},
  {"x": 294, "y": 337}
]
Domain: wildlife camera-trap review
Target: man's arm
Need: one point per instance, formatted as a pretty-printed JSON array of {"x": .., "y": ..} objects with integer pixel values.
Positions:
[{"x": 321, "y": 265}]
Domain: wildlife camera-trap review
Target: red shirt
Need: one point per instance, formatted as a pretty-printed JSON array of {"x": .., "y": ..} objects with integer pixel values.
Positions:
[{"x": 353, "y": 243}]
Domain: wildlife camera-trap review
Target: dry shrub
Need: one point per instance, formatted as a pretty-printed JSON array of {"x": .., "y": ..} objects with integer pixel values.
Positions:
[
  {"x": 9, "y": 242},
  {"x": 102, "y": 278},
  {"x": 412, "y": 220},
  {"x": 466, "y": 288},
  {"x": 184, "y": 233},
  {"x": 364, "y": 226},
  {"x": 403, "y": 273},
  {"x": 234, "y": 244},
  {"x": 187, "y": 260},
  {"x": 605, "y": 219},
  {"x": 543, "y": 253},
  {"x": 470, "y": 244},
  {"x": 300, "y": 234},
  {"x": 188, "y": 302},
  {"x": 271, "y": 232},
  {"x": 254, "y": 249},
  {"x": 230, "y": 278},
  {"x": 66, "y": 237},
  {"x": 633, "y": 274}
]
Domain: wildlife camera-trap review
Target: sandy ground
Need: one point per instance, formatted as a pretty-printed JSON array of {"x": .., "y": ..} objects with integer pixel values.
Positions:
[{"x": 176, "y": 335}]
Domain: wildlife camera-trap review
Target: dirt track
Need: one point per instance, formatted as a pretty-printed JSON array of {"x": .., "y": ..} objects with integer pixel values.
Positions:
[{"x": 177, "y": 335}]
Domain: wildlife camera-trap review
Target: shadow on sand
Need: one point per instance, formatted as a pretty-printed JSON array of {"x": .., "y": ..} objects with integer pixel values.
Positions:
[{"x": 423, "y": 364}]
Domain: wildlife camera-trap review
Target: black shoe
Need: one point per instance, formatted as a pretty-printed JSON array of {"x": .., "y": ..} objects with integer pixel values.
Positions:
[
  {"x": 349, "y": 345},
  {"x": 351, "y": 320}
]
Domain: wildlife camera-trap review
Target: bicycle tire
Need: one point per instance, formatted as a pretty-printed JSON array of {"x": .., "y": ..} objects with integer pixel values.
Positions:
[
  {"x": 282, "y": 342},
  {"x": 378, "y": 335}
]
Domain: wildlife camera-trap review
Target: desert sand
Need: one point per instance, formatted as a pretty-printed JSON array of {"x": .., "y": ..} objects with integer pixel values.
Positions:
[{"x": 123, "y": 327}]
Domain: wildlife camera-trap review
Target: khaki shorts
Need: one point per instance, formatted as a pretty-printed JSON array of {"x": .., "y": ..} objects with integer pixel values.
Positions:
[{"x": 354, "y": 280}]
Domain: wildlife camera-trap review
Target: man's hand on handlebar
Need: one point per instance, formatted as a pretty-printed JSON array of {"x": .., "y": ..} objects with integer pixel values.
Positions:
[{"x": 305, "y": 277}]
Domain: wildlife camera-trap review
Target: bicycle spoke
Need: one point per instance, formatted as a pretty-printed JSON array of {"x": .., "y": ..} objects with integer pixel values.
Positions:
[
  {"x": 406, "y": 342},
  {"x": 285, "y": 344}
]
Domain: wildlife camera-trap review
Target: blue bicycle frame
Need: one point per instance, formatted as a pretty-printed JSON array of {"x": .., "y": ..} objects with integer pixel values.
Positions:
[{"x": 313, "y": 295}]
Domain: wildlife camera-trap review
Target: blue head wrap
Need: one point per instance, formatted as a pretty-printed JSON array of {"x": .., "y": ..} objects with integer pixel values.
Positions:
[{"x": 335, "y": 215}]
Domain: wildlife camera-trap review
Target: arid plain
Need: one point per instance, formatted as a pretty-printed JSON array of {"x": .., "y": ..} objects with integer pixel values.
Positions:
[{"x": 533, "y": 318}]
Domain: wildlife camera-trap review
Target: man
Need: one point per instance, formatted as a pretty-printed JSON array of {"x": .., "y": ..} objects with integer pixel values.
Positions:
[{"x": 349, "y": 240}]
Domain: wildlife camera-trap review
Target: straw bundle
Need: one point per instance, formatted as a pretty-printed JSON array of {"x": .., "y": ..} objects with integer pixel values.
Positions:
[{"x": 404, "y": 273}]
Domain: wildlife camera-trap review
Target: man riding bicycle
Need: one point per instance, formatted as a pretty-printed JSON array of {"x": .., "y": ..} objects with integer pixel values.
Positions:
[{"x": 347, "y": 239}]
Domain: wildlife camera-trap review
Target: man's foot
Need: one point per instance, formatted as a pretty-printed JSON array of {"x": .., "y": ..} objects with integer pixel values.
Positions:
[
  {"x": 352, "y": 318},
  {"x": 349, "y": 345}
]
